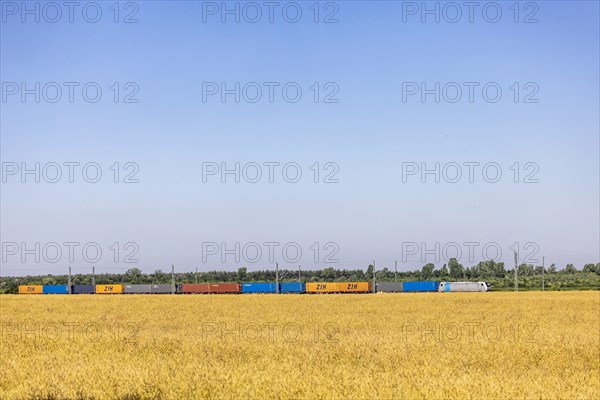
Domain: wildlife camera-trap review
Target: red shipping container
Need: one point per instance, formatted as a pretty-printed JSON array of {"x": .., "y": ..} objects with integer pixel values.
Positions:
[{"x": 211, "y": 288}]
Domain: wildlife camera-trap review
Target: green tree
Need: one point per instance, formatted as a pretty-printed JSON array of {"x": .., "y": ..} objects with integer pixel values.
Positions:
[
  {"x": 369, "y": 273},
  {"x": 570, "y": 269},
  {"x": 133, "y": 275},
  {"x": 590, "y": 268},
  {"x": 329, "y": 274},
  {"x": 457, "y": 271},
  {"x": 159, "y": 276},
  {"x": 444, "y": 271},
  {"x": 427, "y": 271},
  {"x": 525, "y": 270}
]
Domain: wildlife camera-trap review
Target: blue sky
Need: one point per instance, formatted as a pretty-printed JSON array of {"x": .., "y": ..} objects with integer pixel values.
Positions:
[{"x": 369, "y": 133}]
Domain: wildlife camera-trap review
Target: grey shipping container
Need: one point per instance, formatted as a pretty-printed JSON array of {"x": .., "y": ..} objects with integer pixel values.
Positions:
[
  {"x": 138, "y": 289},
  {"x": 389, "y": 286},
  {"x": 161, "y": 288}
]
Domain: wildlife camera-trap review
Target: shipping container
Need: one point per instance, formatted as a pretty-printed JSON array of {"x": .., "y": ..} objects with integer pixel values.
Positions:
[
  {"x": 83, "y": 289},
  {"x": 109, "y": 289},
  {"x": 31, "y": 289},
  {"x": 292, "y": 287},
  {"x": 56, "y": 289},
  {"x": 137, "y": 289},
  {"x": 354, "y": 287},
  {"x": 463, "y": 287},
  {"x": 165, "y": 288},
  {"x": 389, "y": 287},
  {"x": 225, "y": 288},
  {"x": 195, "y": 288},
  {"x": 422, "y": 286},
  {"x": 322, "y": 287},
  {"x": 211, "y": 288},
  {"x": 259, "y": 287}
]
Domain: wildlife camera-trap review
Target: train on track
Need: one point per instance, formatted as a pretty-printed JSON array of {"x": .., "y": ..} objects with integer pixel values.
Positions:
[{"x": 259, "y": 287}]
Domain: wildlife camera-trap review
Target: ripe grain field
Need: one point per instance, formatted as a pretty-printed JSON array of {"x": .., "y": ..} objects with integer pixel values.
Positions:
[{"x": 438, "y": 345}]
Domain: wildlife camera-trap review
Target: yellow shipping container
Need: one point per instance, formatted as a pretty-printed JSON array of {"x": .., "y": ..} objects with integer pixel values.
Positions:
[
  {"x": 322, "y": 287},
  {"x": 355, "y": 287},
  {"x": 31, "y": 289},
  {"x": 109, "y": 289}
]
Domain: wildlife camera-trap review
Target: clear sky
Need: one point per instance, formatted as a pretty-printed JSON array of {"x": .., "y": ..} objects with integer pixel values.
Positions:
[{"x": 369, "y": 121}]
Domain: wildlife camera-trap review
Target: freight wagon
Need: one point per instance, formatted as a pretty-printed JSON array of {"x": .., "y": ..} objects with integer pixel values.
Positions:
[
  {"x": 206, "y": 288},
  {"x": 355, "y": 287},
  {"x": 463, "y": 287},
  {"x": 322, "y": 287},
  {"x": 56, "y": 289},
  {"x": 259, "y": 287},
  {"x": 148, "y": 289},
  {"x": 109, "y": 289},
  {"x": 424, "y": 286},
  {"x": 83, "y": 289},
  {"x": 389, "y": 287},
  {"x": 338, "y": 287},
  {"x": 31, "y": 289},
  {"x": 137, "y": 289},
  {"x": 163, "y": 289},
  {"x": 292, "y": 287},
  {"x": 271, "y": 287}
]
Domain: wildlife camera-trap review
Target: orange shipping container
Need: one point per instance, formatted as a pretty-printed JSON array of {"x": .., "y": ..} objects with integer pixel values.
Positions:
[
  {"x": 355, "y": 287},
  {"x": 31, "y": 289},
  {"x": 109, "y": 289},
  {"x": 322, "y": 287}
]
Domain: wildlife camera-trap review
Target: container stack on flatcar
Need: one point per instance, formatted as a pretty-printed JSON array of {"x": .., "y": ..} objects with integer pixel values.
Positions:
[
  {"x": 137, "y": 289},
  {"x": 31, "y": 289},
  {"x": 56, "y": 289},
  {"x": 83, "y": 289},
  {"x": 109, "y": 289},
  {"x": 292, "y": 287},
  {"x": 338, "y": 287},
  {"x": 424, "y": 286},
  {"x": 354, "y": 287},
  {"x": 322, "y": 287},
  {"x": 389, "y": 287},
  {"x": 259, "y": 287},
  {"x": 163, "y": 289},
  {"x": 206, "y": 288}
]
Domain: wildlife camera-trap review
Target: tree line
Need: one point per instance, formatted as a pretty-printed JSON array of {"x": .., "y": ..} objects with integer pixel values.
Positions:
[{"x": 530, "y": 277}]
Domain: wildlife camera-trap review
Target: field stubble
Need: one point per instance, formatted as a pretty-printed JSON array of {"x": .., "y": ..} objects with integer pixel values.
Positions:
[{"x": 438, "y": 345}]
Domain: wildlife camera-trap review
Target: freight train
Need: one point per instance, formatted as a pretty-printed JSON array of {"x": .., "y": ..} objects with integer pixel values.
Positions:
[{"x": 260, "y": 287}]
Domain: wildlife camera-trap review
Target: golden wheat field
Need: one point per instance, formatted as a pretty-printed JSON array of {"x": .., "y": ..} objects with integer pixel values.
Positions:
[{"x": 403, "y": 346}]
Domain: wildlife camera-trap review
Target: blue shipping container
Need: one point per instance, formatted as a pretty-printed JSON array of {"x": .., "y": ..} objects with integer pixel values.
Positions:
[
  {"x": 258, "y": 287},
  {"x": 56, "y": 289},
  {"x": 424, "y": 286},
  {"x": 292, "y": 287},
  {"x": 83, "y": 289}
]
